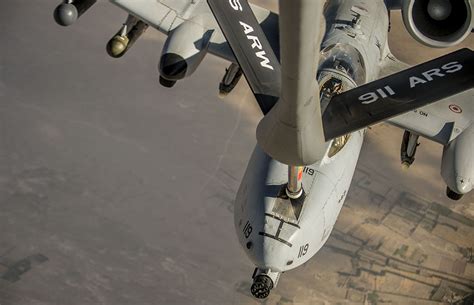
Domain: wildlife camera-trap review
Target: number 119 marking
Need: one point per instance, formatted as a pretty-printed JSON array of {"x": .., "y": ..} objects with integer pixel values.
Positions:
[
  {"x": 247, "y": 229},
  {"x": 303, "y": 250}
]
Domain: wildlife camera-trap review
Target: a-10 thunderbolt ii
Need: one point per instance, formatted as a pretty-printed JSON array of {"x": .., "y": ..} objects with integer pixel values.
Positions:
[{"x": 321, "y": 72}]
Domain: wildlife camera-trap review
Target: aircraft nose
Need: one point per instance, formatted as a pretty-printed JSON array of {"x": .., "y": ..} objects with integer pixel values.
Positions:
[
  {"x": 271, "y": 255},
  {"x": 274, "y": 244},
  {"x": 463, "y": 185}
]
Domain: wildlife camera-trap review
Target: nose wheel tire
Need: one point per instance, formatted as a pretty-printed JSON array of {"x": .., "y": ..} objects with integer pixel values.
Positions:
[{"x": 261, "y": 287}]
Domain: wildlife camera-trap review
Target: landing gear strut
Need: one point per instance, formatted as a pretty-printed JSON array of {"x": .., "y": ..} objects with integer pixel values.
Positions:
[
  {"x": 408, "y": 149},
  {"x": 230, "y": 79}
]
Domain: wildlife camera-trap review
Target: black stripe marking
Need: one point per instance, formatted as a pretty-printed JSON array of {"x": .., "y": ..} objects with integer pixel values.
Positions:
[
  {"x": 275, "y": 238},
  {"x": 281, "y": 219},
  {"x": 279, "y": 229}
]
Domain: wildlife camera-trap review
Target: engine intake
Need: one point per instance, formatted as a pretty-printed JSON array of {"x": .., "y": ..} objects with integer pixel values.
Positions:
[
  {"x": 183, "y": 51},
  {"x": 438, "y": 23}
]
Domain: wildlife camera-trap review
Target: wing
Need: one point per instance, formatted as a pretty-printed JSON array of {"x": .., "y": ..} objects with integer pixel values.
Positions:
[
  {"x": 166, "y": 15},
  {"x": 255, "y": 56},
  {"x": 442, "y": 121},
  {"x": 410, "y": 89}
]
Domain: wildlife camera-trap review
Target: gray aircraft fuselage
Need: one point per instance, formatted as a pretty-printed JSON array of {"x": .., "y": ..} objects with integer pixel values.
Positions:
[{"x": 276, "y": 235}]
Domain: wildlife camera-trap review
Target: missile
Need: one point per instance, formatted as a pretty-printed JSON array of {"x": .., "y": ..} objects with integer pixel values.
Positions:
[
  {"x": 124, "y": 39},
  {"x": 69, "y": 11}
]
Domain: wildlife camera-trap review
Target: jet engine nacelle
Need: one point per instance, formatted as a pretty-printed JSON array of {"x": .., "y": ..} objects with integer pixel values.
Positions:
[
  {"x": 457, "y": 165},
  {"x": 438, "y": 23},
  {"x": 183, "y": 51}
]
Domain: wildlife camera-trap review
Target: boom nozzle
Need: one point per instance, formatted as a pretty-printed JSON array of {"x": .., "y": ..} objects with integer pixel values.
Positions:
[{"x": 294, "y": 188}]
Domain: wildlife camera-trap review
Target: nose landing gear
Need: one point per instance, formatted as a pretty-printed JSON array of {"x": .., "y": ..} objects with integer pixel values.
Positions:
[
  {"x": 230, "y": 79},
  {"x": 263, "y": 282}
]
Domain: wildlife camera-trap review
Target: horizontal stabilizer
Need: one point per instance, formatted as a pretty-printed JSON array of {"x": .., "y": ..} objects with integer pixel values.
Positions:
[
  {"x": 399, "y": 93},
  {"x": 251, "y": 49}
]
